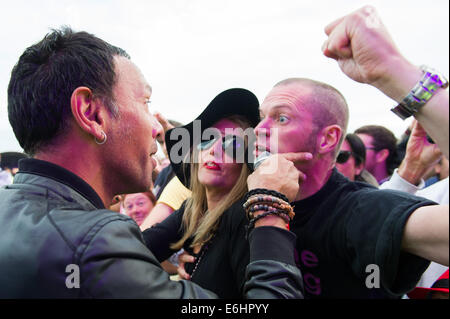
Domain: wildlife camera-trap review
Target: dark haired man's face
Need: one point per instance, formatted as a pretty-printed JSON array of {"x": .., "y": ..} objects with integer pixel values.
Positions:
[
  {"x": 132, "y": 137},
  {"x": 286, "y": 125},
  {"x": 371, "y": 154}
]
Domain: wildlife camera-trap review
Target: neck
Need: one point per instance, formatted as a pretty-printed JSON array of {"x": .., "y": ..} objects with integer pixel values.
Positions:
[
  {"x": 214, "y": 196},
  {"x": 316, "y": 177},
  {"x": 84, "y": 164},
  {"x": 380, "y": 172}
]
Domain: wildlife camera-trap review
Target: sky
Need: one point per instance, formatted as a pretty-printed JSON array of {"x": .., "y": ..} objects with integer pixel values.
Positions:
[{"x": 191, "y": 50}]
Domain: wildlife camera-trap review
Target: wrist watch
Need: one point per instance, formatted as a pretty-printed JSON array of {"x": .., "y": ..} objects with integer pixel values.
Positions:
[{"x": 431, "y": 81}]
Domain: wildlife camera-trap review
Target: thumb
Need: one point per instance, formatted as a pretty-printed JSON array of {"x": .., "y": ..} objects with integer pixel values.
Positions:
[
  {"x": 418, "y": 130},
  {"x": 297, "y": 157}
]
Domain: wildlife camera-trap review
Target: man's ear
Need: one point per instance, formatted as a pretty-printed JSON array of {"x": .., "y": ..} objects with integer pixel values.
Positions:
[
  {"x": 382, "y": 155},
  {"x": 329, "y": 139},
  {"x": 88, "y": 113}
]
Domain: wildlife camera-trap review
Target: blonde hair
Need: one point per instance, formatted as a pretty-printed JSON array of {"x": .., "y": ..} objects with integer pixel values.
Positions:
[{"x": 199, "y": 222}]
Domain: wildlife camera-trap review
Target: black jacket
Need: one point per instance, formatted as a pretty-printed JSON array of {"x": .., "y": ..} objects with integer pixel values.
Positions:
[{"x": 58, "y": 241}]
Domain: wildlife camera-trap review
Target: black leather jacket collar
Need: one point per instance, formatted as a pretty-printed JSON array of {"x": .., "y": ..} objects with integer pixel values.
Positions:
[{"x": 61, "y": 175}]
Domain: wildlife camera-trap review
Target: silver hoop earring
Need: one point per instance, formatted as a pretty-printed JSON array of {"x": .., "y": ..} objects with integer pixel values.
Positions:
[{"x": 103, "y": 141}]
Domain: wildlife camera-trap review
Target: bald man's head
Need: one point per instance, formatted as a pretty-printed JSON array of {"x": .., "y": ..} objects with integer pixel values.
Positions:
[{"x": 326, "y": 103}]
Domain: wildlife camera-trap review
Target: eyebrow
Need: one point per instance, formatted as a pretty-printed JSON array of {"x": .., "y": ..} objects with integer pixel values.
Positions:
[{"x": 275, "y": 109}]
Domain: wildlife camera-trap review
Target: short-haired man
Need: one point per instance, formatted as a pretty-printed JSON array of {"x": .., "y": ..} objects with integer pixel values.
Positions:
[
  {"x": 381, "y": 151},
  {"x": 354, "y": 241},
  {"x": 79, "y": 107}
]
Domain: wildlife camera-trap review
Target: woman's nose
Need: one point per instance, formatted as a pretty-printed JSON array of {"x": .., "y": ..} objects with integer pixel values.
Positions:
[{"x": 216, "y": 150}]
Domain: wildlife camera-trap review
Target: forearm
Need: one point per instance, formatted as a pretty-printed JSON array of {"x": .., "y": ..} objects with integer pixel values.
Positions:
[
  {"x": 366, "y": 53},
  {"x": 411, "y": 172},
  {"x": 159, "y": 237},
  {"x": 433, "y": 116},
  {"x": 160, "y": 212},
  {"x": 426, "y": 233}
]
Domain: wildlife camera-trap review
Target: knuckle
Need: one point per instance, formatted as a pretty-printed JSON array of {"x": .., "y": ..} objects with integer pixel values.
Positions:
[{"x": 368, "y": 9}]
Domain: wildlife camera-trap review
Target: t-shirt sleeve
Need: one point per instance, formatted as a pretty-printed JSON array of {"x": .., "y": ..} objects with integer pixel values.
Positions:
[
  {"x": 174, "y": 194},
  {"x": 373, "y": 238},
  {"x": 159, "y": 237}
]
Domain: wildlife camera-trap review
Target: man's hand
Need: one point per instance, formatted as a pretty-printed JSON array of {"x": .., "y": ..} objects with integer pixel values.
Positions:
[
  {"x": 420, "y": 156},
  {"x": 183, "y": 258},
  {"x": 165, "y": 125},
  {"x": 278, "y": 173},
  {"x": 366, "y": 53}
]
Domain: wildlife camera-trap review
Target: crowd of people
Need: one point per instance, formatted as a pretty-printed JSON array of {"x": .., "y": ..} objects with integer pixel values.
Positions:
[{"x": 270, "y": 200}]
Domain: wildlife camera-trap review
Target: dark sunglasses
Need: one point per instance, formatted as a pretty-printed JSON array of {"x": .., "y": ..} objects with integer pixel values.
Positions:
[
  {"x": 343, "y": 156},
  {"x": 230, "y": 144}
]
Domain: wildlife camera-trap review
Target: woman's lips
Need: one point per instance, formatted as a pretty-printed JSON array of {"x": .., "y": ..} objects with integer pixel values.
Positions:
[{"x": 212, "y": 165}]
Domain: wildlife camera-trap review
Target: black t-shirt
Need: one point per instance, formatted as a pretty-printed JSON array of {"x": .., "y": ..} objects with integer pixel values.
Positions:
[
  {"x": 223, "y": 264},
  {"x": 349, "y": 241}
]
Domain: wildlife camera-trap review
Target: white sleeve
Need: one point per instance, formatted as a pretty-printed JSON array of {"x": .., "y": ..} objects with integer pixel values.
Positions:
[{"x": 396, "y": 182}]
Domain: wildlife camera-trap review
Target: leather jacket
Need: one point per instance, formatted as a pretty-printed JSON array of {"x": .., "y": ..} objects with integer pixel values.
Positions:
[{"x": 59, "y": 241}]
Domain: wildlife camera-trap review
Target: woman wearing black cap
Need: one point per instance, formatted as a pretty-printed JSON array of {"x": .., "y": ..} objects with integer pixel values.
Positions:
[{"x": 211, "y": 225}]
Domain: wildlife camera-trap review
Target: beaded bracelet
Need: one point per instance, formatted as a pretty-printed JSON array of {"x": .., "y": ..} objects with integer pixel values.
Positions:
[
  {"x": 264, "y": 198},
  {"x": 289, "y": 214},
  {"x": 265, "y": 208},
  {"x": 258, "y": 207},
  {"x": 262, "y": 206},
  {"x": 264, "y": 191},
  {"x": 256, "y": 203},
  {"x": 268, "y": 200}
]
